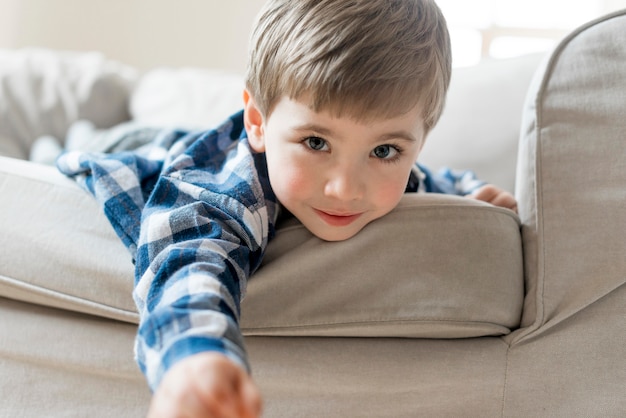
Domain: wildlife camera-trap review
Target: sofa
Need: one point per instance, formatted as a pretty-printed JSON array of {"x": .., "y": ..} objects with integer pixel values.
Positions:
[{"x": 447, "y": 307}]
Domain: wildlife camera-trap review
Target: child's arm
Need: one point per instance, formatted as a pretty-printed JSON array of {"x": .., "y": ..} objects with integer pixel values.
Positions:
[
  {"x": 203, "y": 232},
  {"x": 196, "y": 216},
  {"x": 464, "y": 183},
  {"x": 206, "y": 385}
]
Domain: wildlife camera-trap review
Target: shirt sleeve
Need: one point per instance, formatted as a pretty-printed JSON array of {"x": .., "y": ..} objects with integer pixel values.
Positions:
[
  {"x": 203, "y": 232},
  {"x": 447, "y": 181},
  {"x": 196, "y": 212}
]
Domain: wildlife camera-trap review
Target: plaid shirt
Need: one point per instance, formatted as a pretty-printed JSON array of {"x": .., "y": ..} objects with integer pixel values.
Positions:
[{"x": 196, "y": 211}]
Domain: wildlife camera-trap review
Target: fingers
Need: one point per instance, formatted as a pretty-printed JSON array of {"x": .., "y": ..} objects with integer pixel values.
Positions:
[
  {"x": 505, "y": 200},
  {"x": 496, "y": 196},
  {"x": 229, "y": 392},
  {"x": 251, "y": 399},
  {"x": 206, "y": 385}
]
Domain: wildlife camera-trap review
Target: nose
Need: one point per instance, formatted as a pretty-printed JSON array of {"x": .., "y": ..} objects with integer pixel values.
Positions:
[{"x": 345, "y": 182}]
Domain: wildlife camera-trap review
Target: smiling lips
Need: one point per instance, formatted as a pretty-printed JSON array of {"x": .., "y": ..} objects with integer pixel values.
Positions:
[{"x": 337, "y": 219}]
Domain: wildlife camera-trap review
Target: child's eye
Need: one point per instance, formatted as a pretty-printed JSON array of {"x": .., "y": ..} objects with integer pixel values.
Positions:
[
  {"x": 385, "y": 152},
  {"x": 316, "y": 144}
]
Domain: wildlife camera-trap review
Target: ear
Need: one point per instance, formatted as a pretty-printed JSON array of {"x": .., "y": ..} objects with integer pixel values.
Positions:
[{"x": 253, "y": 122}]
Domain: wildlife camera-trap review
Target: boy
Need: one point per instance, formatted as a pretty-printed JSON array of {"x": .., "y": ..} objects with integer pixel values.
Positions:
[{"x": 340, "y": 95}]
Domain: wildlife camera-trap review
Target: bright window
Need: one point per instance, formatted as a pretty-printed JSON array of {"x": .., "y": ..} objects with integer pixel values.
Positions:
[{"x": 506, "y": 28}]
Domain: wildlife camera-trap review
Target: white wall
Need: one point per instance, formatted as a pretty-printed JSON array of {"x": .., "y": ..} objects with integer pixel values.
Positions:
[
  {"x": 149, "y": 33},
  {"x": 142, "y": 33}
]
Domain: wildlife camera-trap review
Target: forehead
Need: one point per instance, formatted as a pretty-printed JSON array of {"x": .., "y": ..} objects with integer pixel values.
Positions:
[
  {"x": 365, "y": 104},
  {"x": 356, "y": 111}
]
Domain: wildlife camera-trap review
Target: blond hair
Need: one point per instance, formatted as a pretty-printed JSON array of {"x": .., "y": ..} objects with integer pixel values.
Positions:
[{"x": 361, "y": 58}]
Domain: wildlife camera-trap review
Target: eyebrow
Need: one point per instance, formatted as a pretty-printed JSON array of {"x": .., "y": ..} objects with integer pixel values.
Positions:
[
  {"x": 404, "y": 135},
  {"x": 309, "y": 127},
  {"x": 407, "y": 136}
]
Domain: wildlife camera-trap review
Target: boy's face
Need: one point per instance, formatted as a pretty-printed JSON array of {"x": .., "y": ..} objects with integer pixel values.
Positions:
[{"x": 335, "y": 174}]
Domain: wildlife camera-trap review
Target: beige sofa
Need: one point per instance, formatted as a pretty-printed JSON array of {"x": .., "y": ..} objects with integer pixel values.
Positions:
[{"x": 446, "y": 307}]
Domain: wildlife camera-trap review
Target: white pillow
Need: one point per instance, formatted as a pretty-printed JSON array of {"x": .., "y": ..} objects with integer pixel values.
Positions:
[
  {"x": 480, "y": 126},
  {"x": 43, "y": 91},
  {"x": 186, "y": 97}
]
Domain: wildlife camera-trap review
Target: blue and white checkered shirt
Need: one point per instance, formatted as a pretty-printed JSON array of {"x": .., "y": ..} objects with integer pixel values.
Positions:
[{"x": 196, "y": 211}]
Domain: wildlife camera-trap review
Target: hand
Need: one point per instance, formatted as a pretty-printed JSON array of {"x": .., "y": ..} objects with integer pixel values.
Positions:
[
  {"x": 206, "y": 385},
  {"x": 496, "y": 196}
]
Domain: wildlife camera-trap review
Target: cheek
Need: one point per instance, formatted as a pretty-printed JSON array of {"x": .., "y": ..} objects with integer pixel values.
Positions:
[
  {"x": 388, "y": 192},
  {"x": 290, "y": 180}
]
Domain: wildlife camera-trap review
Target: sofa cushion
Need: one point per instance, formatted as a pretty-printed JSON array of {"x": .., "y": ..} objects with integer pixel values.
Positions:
[{"x": 437, "y": 266}]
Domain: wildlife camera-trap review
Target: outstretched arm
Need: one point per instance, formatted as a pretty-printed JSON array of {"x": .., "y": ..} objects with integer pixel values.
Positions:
[
  {"x": 196, "y": 212},
  {"x": 204, "y": 229}
]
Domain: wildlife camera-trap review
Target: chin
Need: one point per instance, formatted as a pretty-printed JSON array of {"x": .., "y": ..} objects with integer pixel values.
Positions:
[{"x": 336, "y": 235}]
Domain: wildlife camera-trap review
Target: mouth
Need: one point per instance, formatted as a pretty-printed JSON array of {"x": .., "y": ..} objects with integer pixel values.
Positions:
[{"x": 337, "y": 219}]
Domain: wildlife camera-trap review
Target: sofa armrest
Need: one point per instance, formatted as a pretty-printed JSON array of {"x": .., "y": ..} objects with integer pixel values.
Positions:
[{"x": 437, "y": 266}]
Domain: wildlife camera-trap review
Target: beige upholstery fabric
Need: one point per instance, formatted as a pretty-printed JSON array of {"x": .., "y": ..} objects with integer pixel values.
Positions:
[
  {"x": 572, "y": 174},
  {"x": 379, "y": 377},
  {"x": 56, "y": 363},
  {"x": 436, "y": 267},
  {"x": 570, "y": 356},
  {"x": 58, "y": 247}
]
